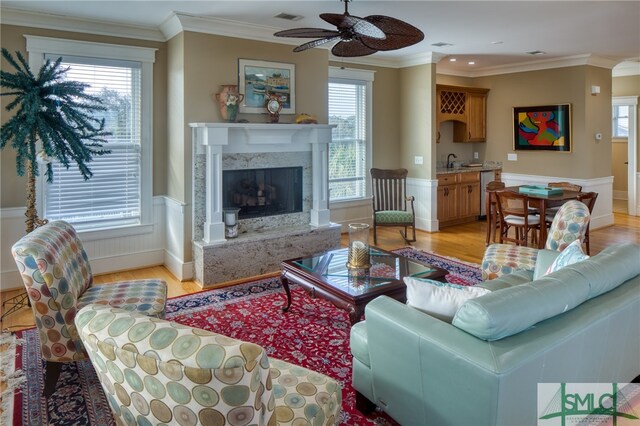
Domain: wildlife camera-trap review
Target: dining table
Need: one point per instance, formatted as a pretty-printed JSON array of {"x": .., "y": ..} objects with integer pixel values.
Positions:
[{"x": 538, "y": 201}]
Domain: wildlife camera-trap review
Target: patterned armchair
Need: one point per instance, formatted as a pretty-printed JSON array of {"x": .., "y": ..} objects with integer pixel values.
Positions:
[
  {"x": 159, "y": 372},
  {"x": 56, "y": 272},
  {"x": 569, "y": 224}
]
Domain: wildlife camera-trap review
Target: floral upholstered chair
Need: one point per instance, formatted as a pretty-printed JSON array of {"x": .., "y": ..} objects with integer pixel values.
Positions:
[
  {"x": 159, "y": 372},
  {"x": 569, "y": 224},
  {"x": 56, "y": 272}
]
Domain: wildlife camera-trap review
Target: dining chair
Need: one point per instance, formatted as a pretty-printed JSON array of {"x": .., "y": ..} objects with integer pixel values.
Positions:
[
  {"x": 513, "y": 212},
  {"x": 589, "y": 199},
  {"x": 57, "y": 274},
  {"x": 492, "y": 209},
  {"x": 391, "y": 205},
  {"x": 551, "y": 211}
]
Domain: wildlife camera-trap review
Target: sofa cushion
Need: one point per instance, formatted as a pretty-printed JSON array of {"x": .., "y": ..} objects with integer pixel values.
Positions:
[
  {"x": 511, "y": 310},
  {"x": 610, "y": 268},
  {"x": 571, "y": 254},
  {"x": 438, "y": 299},
  {"x": 516, "y": 278}
]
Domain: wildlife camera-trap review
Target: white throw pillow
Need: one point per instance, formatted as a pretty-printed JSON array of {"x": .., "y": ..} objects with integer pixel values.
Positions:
[
  {"x": 571, "y": 254},
  {"x": 438, "y": 299}
]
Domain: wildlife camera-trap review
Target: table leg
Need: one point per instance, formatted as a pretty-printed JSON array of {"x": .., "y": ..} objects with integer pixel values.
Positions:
[
  {"x": 355, "y": 313},
  {"x": 542, "y": 238},
  {"x": 490, "y": 227},
  {"x": 285, "y": 283}
]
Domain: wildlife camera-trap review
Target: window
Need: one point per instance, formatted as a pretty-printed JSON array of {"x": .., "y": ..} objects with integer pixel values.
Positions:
[
  {"x": 350, "y": 149},
  {"x": 620, "y": 121},
  {"x": 119, "y": 193}
]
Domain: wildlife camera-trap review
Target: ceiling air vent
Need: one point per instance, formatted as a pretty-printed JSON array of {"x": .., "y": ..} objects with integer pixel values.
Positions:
[
  {"x": 288, "y": 16},
  {"x": 536, "y": 52},
  {"x": 441, "y": 44}
]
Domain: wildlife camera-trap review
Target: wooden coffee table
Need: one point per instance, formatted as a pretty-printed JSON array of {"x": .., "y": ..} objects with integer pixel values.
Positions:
[{"x": 326, "y": 275}]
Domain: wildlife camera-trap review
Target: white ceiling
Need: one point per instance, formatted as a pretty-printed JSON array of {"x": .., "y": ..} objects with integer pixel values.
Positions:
[{"x": 494, "y": 34}]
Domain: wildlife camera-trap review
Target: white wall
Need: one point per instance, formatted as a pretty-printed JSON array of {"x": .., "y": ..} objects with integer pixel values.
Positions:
[{"x": 160, "y": 243}]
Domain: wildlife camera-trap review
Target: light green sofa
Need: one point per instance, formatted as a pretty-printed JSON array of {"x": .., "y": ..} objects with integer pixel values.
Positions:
[{"x": 580, "y": 324}]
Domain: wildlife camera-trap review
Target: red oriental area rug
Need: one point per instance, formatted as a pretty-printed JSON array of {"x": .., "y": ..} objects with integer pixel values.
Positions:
[{"x": 313, "y": 333}]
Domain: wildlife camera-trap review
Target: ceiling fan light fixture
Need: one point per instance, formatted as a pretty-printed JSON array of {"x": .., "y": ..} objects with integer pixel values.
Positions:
[{"x": 358, "y": 36}]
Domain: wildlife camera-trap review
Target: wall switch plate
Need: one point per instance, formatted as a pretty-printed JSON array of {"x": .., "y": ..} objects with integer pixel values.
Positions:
[
  {"x": 476, "y": 155},
  {"x": 418, "y": 159},
  {"x": 512, "y": 157}
]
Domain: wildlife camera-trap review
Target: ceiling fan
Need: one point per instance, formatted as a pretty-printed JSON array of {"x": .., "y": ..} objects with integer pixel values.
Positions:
[{"x": 357, "y": 36}]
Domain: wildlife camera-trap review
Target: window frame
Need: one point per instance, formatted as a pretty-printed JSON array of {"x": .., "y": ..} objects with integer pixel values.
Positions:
[
  {"x": 38, "y": 47},
  {"x": 365, "y": 77},
  {"x": 614, "y": 120}
]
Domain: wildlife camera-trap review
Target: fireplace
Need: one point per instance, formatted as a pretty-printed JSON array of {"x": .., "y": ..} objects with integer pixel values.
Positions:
[{"x": 263, "y": 192}]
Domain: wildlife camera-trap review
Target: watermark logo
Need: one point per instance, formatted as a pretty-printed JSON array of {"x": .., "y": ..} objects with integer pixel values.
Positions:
[{"x": 568, "y": 404}]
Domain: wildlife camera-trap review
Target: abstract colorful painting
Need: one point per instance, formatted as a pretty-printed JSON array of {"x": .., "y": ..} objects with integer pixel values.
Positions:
[{"x": 542, "y": 128}]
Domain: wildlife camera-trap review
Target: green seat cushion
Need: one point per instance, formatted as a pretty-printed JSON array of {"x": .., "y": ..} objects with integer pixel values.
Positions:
[{"x": 394, "y": 216}]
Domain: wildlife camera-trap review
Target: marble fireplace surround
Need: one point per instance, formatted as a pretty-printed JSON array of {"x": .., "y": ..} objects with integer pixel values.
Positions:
[{"x": 263, "y": 242}]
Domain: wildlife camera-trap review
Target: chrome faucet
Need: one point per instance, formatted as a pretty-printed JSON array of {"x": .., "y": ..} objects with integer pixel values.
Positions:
[{"x": 449, "y": 162}]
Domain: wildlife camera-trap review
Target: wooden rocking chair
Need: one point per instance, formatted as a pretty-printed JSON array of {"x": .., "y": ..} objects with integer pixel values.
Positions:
[{"x": 391, "y": 203}]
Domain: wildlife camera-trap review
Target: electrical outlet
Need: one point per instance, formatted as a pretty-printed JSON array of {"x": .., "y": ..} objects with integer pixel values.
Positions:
[
  {"x": 512, "y": 157},
  {"x": 418, "y": 159},
  {"x": 476, "y": 155}
]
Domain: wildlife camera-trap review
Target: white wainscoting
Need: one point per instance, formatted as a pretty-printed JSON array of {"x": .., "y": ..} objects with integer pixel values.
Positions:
[
  {"x": 425, "y": 192},
  {"x": 112, "y": 253},
  {"x": 346, "y": 212},
  {"x": 603, "y": 210}
]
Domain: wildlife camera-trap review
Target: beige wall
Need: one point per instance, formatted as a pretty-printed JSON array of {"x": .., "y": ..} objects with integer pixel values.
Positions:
[
  {"x": 12, "y": 38},
  {"x": 386, "y": 114},
  {"x": 590, "y": 114},
  {"x": 417, "y": 119}
]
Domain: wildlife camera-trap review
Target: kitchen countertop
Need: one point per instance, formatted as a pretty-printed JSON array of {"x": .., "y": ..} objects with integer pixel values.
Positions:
[{"x": 442, "y": 171}]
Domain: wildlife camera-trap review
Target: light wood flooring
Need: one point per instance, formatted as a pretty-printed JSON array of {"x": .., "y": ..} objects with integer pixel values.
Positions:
[{"x": 465, "y": 242}]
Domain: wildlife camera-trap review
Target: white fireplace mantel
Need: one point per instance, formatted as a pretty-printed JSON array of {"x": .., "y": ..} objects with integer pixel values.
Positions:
[{"x": 217, "y": 139}]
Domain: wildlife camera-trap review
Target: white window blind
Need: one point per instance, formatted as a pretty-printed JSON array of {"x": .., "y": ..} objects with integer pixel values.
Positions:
[
  {"x": 348, "y": 150},
  {"x": 620, "y": 121},
  {"x": 112, "y": 197}
]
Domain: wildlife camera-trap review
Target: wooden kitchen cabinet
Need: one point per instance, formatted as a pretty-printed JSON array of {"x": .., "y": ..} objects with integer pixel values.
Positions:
[
  {"x": 458, "y": 198},
  {"x": 467, "y": 108}
]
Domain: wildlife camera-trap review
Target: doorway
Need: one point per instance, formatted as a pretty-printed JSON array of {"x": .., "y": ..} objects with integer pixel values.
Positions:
[{"x": 624, "y": 154}]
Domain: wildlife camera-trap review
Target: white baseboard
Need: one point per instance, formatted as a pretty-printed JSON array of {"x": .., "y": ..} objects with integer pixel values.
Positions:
[{"x": 182, "y": 270}]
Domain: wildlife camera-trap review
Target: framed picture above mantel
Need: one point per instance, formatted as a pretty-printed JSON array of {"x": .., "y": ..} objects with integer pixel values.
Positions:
[
  {"x": 262, "y": 80},
  {"x": 542, "y": 128}
]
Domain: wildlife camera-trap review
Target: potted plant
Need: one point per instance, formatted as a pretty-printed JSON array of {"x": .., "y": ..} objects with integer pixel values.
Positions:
[{"x": 54, "y": 119}]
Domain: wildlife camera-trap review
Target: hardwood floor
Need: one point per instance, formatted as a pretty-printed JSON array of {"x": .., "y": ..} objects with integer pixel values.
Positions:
[{"x": 465, "y": 242}]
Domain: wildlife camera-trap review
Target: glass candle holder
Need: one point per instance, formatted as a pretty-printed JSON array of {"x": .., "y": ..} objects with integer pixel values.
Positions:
[
  {"x": 358, "y": 257},
  {"x": 230, "y": 222}
]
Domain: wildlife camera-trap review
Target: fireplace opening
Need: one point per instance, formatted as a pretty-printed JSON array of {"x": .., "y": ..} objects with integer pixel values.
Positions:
[{"x": 263, "y": 192}]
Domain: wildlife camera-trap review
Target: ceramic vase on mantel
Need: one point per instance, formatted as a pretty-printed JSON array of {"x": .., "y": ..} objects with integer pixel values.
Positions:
[{"x": 229, "y": 100}]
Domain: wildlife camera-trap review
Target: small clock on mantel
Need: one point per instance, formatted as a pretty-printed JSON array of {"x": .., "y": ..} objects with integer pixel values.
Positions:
[{"x": 274, "y": 104}]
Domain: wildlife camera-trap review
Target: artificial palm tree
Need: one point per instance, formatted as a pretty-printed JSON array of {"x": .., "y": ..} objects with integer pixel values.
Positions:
[{"x": 54, "y": 117}]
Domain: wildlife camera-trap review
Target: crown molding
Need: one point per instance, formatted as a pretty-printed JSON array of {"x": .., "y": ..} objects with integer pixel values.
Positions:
[
  {"x": 626, "y": 68},
  {"x": 89, "y": 26},
  {"x": 569, "y": 61}
]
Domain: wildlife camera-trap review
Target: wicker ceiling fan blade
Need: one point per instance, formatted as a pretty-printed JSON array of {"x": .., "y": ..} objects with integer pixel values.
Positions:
[
  {"x": 307, "y": 32},
  {"x": 315, "y": 43},
  {"x": 353, "y": 23},
  {"x": 351, "y": 48},
  {"x": 399, "y": 34}
]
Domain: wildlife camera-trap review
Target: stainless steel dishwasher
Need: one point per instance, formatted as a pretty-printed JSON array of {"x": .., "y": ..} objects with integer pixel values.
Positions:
[{"x": 486, "y": 176}]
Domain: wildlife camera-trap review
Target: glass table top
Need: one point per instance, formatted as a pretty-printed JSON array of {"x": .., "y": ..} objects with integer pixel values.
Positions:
[{"x": 385, "y": 268}]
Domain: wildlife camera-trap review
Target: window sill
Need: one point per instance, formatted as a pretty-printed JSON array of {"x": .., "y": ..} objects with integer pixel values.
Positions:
[
  {"x": 124, "y": 231},
  {"x": 354, "y": 202}
]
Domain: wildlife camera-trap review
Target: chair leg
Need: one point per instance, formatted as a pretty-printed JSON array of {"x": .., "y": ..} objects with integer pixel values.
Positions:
[
  {"x": 51, "y": 375},
  {"x": 375, "y": 235}
]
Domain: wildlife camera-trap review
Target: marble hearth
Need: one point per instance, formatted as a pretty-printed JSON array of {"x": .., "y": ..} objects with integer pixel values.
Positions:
[{"x": 263, "y": 242}]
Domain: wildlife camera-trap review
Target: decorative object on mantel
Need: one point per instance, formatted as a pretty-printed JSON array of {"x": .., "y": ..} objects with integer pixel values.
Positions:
[
  {"x": 357, "y": 36},
  {"x": 304, "y": 118},
  {"x": 229, "y": 100},
  {"x": 55, "y": 120},
  {"x": 542, "y": 128},
  {"x": 231, "y": 222},
  {"x": 261, "y": 79},
  {"x": 273, "y": 105},
  {"x": 358, "y": 257}
]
